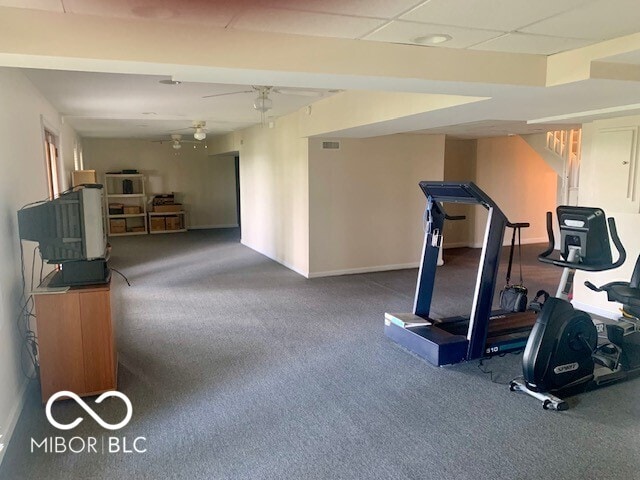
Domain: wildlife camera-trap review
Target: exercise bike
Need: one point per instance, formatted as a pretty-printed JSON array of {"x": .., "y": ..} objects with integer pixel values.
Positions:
[{"x": 568, "y": 352}]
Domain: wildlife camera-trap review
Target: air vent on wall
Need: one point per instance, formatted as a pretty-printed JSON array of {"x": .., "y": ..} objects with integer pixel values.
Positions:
[{"x": 331, "y": 145}]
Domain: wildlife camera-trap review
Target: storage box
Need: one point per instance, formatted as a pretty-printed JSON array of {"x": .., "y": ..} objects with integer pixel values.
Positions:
[
  {"x": 176, "y": 207},
  {"x": 139, "y": 228},
  {"x": 81, "y": 177},
  {"x": 157, "y": 223},
  {"x": 117, "y": 225},
  {"x": 163, "y": 199},
  {"x": 173, "y": 223},
  {"x": 131, "y": 209},
  {"x": 116, "y": 209}
]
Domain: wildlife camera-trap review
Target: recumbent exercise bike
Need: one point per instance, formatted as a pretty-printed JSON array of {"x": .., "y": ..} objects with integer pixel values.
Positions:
[{"x": 564, "y": 354}]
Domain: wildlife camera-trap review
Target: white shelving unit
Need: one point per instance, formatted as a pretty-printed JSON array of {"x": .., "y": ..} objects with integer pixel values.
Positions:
[{"x": 134, "y": 223}]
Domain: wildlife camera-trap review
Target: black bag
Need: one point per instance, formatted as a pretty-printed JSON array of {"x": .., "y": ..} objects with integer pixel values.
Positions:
[{"x": 513, "y": 298}]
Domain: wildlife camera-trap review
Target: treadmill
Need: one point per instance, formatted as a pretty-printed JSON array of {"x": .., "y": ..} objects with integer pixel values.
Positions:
[{"x": 445, "y": 341}]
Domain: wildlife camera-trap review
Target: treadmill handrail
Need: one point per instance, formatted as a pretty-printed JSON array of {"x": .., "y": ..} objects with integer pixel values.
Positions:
[
  {"x": 518, "y": 224},
  {"x": 544, "y": 257}
]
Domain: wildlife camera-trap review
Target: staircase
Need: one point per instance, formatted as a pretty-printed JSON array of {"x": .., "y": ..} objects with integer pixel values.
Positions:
[
  {"x": 566, "y": 145},
  {"x": 561, "y": 150}
]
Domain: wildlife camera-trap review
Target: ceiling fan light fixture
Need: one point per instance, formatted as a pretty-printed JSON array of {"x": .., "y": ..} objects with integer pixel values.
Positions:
[
  {"x": 176, "y": 145},
  {"x": 199, "y": 134},
  {"x": 263, "y": 103}
]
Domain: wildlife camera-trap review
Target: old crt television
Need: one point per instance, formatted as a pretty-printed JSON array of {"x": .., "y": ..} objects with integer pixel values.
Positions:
[{"x": 70, "y": 233}]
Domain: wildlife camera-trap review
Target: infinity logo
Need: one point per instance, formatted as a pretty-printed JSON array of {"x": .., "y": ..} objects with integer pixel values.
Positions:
[{"x": 94, "y": 415}]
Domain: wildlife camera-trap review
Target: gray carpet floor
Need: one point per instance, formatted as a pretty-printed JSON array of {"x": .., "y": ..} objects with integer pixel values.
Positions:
[{"x": 239, "y": 368}]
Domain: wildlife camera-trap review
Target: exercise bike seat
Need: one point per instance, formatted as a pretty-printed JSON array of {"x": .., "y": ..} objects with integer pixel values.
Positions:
[{"x": 626, "y": 293}]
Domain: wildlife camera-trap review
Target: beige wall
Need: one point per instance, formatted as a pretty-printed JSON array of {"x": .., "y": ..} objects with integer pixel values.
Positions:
[
  {"x": 274, "y": 192},
  {"x": 519, "y": 181},
  {"x": 365, "y": 204},
  {"x": 609, "y": 183},
  {"x": 23, "y": 180},
  {"x": 460, "y": 166},
  {"x": 68, "y": 141},
  {"x": 205, "y": 185}
]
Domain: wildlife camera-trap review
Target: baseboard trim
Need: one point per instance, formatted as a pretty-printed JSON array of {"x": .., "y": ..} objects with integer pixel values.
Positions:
[
  {"x": 352, "y": 271},
  {"x": 207, "y": 227},
  {"x": 525, "y": 241},
  {"x": 456, "y": 245},
  {"x": 12, "y": 420},
  {"x": 278, "y": 260},
  {"x": 601, "y": 312}
]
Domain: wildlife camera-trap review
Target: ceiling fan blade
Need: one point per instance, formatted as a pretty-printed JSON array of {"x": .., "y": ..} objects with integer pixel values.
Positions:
[
  {"x": 228, "y": 93},
  {"x": 301, "y": 93}
]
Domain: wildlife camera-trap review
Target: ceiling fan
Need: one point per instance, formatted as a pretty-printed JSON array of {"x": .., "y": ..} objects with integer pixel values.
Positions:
[
  {"x": 200, "y": 131},
  {"x": 177, "y": 141},
  {"x": 262, "y": 102}
]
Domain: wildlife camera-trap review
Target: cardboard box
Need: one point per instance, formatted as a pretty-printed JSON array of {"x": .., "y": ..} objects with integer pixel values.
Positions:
[
  {"x": 116, "y": 209},
  {"x": 130, "y": 209},
  {"x": 139, "y": 228},
  {"x": 157, "y": 223},
  {"x": 80, "y": 177},
  {"x": 117, "y": 225},
  {"x": 169, "y": 208},
  {"x": 173, "y": 223}
]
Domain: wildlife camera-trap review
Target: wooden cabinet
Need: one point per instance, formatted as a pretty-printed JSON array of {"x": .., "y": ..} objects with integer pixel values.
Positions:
[{"x": 77, "y": 349}]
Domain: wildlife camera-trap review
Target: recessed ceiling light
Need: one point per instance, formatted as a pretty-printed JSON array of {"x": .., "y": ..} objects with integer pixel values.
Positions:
[
  {"x": 169, "y": 81},
  {"x": 433, "y": 39}
]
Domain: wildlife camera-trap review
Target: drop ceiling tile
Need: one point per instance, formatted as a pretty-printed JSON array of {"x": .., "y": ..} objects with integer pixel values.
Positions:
[
  {"x": 506, "y": 15},
  {"x": 406, "y": 32},
  {"x": 598, "y": 20},
  {"x": 360, "y": 8},
  {"x": 217, "y": 13},
  {"x": 526, "y": 43},
  {"x": 304, "y": 23},
  {"x": 51, "y": 5}
]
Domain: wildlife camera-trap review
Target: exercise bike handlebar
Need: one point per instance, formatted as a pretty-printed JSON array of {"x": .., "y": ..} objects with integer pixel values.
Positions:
[{"x": 622, "y": 253}]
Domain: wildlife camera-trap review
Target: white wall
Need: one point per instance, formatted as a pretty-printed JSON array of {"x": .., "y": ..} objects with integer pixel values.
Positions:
[
  {"x": 274, "y": 192},
  {"x": 519, "y": 181},
  {"x": 23, "y": 180},
  {"x": 609, "y": 183},
  {"x": 365, "y": 204},
  {"x": 205, "y": 185},
  {"x": 460, "y": 166}
]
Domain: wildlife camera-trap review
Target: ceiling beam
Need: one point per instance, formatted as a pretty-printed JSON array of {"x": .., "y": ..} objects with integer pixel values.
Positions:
[{"x": 43, "y": 39}]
